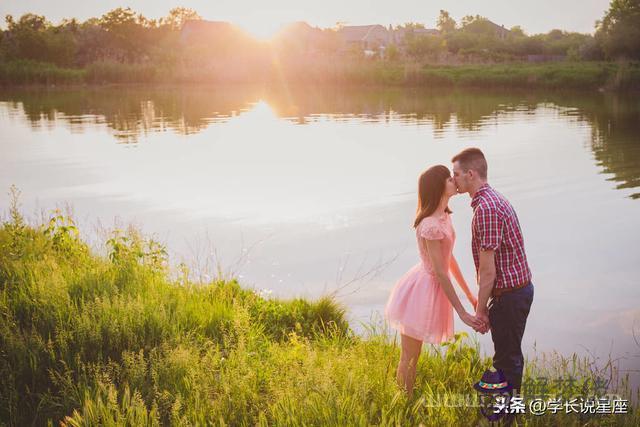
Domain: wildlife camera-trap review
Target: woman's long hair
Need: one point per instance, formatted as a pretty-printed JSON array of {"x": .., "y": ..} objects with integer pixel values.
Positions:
[{"x": 431, "y": 186}]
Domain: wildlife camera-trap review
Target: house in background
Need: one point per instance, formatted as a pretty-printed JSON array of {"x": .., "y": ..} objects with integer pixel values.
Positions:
[
  {"x": 399, "y": 35},
  {"x": 364, "y": 37},
  {"x": 500, "y": 31},
  {"x": 372, "y": 39}
]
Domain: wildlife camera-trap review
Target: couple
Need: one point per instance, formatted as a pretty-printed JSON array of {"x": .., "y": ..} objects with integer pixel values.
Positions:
[{"x": 421, "y": 303}]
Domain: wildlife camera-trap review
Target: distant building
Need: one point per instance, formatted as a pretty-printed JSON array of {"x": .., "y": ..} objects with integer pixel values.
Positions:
[
  {"x": 398, "y": 36},
  {"x": 364, "y": 37},
  {"x": 370, "y": 38},
  {"x": 500, "y": 31}
]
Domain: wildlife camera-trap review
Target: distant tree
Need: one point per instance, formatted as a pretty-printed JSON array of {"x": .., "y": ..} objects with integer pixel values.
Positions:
[
  {"x": 517, "y": 31},
  {"x": 555, "y": 34},
  {"x": 411, "y": 26},
  {"x": 478, "y": 25},
  {"x": 33, "y": 37},
  {"x": 421, "y": 47},
  {"x": 178, "y": 16},
  {"x": 468, "y": 20},
  {"x": 392, "y": 53},
  {"x": 129, "y": 38},
  {"x": 27, "y": 38},
  {"x": 619, "y": 31},
  {"x": 446, "y": 24},
  {"x": 118, "y": 18}
]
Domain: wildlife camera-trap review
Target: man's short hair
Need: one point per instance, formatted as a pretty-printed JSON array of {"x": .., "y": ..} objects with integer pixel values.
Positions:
[{"x": 472, "y": 158}]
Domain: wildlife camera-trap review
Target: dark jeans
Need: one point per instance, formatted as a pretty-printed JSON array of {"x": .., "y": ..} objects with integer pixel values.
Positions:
[{"x": 508, "y": 317}]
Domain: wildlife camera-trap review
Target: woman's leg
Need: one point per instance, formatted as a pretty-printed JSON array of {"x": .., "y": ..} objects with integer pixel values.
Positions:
[{"x": 406, "y": 373}]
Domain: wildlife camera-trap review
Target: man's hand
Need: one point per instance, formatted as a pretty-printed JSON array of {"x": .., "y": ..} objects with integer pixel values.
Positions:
[
  {"x": 482, "y": 314},
  {"x": 470, "y": 320}
]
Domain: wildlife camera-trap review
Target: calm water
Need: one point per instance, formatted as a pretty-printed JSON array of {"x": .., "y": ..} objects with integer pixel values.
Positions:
[{"x": 308, "y": 191}]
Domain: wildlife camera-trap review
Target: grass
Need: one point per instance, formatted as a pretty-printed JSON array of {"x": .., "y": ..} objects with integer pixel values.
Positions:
[
  {"x": 562, "y": 75},
  {"x": 24, "y": 72},
  {"x": 116, "y": 340}
]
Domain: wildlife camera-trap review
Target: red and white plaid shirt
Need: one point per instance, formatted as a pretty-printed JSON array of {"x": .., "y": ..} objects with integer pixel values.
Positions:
[{"x": 495, "y": 226}]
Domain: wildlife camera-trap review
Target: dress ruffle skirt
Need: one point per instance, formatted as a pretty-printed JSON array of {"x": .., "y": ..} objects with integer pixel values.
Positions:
[{"x": 419, "y": 308}]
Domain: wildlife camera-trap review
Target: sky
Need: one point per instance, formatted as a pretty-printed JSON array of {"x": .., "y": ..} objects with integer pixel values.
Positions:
[{"x": 263, "y": 18}]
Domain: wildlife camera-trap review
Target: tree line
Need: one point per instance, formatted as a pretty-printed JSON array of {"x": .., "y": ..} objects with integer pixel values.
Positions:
[{"x": 124, "y": 36}]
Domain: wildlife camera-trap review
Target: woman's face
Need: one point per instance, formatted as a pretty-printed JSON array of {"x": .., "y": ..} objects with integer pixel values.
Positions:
[{"x": 450, "y": 188}]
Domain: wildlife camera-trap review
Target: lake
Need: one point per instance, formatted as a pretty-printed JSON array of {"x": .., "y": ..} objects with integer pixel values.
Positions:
[{"x": 305, "y": 191}]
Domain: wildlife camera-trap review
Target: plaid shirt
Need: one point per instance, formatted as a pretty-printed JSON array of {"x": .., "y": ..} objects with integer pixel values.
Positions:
[{"x": 495, "y": 226}]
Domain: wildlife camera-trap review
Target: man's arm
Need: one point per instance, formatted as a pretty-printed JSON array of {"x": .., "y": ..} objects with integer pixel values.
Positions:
[
  {"x": 486, "y": 280},
  {"x": 489, "y": 234}
]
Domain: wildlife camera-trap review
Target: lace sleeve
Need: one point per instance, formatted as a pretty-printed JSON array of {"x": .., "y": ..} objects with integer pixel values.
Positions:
[{"x": 430, "y": 229}]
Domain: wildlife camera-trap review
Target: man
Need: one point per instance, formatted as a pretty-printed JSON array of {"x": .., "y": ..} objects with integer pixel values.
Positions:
[{"x": 503, "y": 273}]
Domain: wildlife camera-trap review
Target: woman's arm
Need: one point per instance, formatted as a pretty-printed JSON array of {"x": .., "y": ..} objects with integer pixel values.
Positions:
[
  {"x": 435, "y": 255},
  {"x": 457, "y": 273}
]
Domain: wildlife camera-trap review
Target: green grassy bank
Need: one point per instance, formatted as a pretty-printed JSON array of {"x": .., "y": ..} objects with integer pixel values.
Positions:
[
  {"x": 113, "y": 340},
  {"x": 562, "y": 75}
]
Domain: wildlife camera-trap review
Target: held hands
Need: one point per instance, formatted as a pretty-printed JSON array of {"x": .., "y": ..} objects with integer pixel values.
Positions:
[
  {"x": 482, "y": 315},
  {"x": 472, "y": 321},
  {"x": 479, "y": 322}
]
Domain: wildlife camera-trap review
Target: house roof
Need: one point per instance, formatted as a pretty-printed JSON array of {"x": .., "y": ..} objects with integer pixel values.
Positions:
[
  {"x": 499, "y": 28},
  {"x": 354, "y": 33}
]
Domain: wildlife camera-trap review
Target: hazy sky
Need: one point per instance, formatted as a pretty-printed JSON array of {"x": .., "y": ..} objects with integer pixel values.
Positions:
[{"x": 263, "y": 17}]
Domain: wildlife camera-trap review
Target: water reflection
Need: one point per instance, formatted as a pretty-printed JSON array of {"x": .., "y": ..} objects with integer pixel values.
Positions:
[{"x": 133, "y": 111}]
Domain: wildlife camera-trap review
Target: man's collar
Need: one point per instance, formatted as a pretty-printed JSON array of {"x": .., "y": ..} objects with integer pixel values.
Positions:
[{"x": 476, "y": 197}]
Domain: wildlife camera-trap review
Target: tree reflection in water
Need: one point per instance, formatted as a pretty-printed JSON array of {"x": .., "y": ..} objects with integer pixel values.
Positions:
[{"x": 132, "y": 111}]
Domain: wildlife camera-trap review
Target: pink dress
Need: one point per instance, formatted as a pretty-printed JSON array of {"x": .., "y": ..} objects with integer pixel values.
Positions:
[{"x": 418, "y": 306}]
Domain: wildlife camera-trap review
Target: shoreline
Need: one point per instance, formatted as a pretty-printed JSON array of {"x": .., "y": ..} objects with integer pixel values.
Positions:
[{"x": 613, "y": 77}]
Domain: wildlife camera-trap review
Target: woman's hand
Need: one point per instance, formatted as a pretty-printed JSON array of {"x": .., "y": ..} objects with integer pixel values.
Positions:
[{"x": 470, "y": 320}]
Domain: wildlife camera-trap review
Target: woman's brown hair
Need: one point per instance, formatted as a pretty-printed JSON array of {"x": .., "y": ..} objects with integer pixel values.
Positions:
[{"x": 431, "y": 186}]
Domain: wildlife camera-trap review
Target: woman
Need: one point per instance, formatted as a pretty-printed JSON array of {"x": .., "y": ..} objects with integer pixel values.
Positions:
[{"x": 421, "y": 303}]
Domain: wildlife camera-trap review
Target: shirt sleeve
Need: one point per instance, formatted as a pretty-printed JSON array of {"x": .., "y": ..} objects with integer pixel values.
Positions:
[{"x": 488, "y": 228}]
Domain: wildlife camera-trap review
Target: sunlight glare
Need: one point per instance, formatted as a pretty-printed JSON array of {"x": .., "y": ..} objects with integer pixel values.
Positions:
[{"x": 261, "y": 29}]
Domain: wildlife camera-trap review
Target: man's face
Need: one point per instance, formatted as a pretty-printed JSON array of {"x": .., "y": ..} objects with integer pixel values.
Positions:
[{"x": 460, "y": 178}]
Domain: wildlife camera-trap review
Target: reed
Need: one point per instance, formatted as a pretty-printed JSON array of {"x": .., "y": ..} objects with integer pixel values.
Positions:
[{"x": 611, "y": 76}]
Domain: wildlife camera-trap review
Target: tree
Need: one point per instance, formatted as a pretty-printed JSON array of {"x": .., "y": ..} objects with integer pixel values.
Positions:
[
  {"x": 178, "y": 16},
  {"x": 446, "y": 24},
  {"x": 619, "y": 31},
  {"x": 411, "y": 26},
  {"x": 424, "y": 46},
  {"x": 517, "y": 31},
  {"x": 118, "y": 18},
  {"x": 129, "y": 38},
  {"x": 27, "y": 37},
  {"x": 392, "y": 53}
]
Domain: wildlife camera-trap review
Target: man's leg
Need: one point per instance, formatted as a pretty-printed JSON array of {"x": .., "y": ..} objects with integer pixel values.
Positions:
[{"x": 508, "y": 317}]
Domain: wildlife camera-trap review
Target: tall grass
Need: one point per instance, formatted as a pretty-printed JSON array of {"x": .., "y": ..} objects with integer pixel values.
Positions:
[
  {"x": 562, "y": 75},
  {"x": 24, "y": 72},
  {"x": 90, "y": 340}
]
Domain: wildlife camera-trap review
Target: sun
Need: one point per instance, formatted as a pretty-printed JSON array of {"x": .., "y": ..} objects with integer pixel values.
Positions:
[{"x": 260, "y": 29}]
